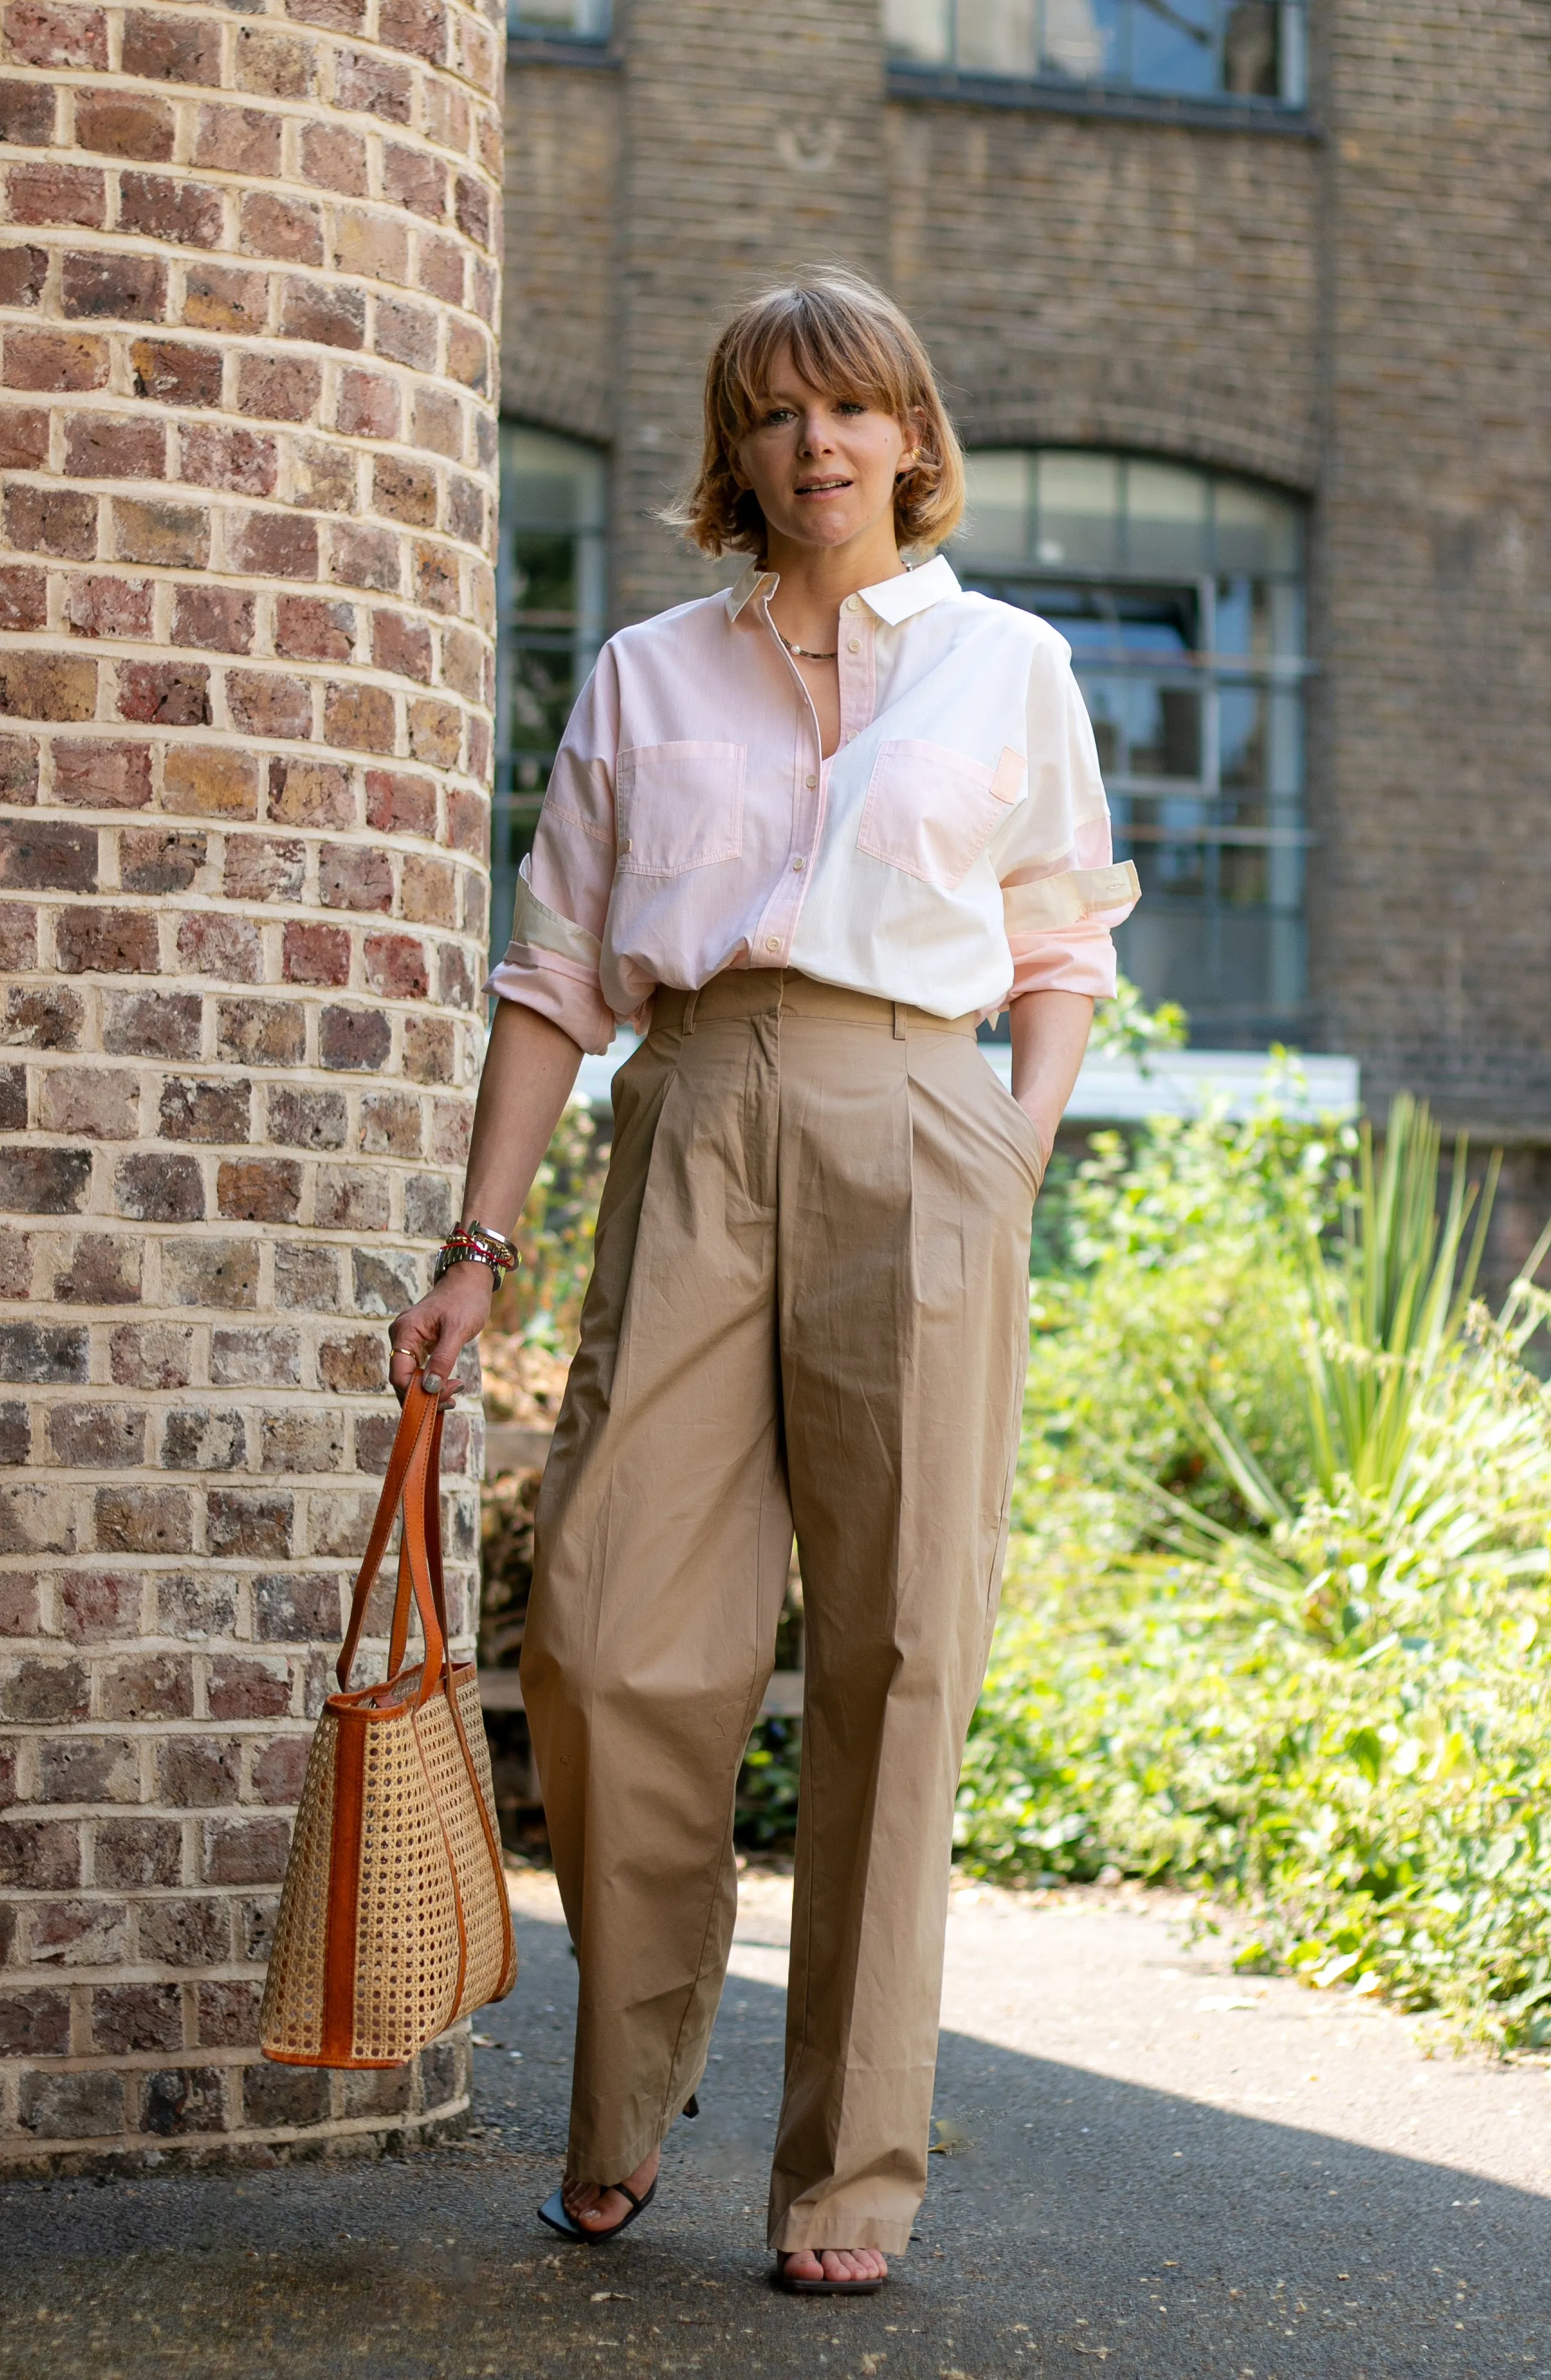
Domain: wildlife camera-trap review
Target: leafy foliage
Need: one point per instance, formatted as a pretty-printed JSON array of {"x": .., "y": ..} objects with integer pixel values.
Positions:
[
  {"x": 541, "y": 1301},
  {"x": 1278, "y": 1608}
]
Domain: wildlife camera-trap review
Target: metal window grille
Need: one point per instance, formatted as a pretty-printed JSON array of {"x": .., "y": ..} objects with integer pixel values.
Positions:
[{"x": 1181, "y": 593}]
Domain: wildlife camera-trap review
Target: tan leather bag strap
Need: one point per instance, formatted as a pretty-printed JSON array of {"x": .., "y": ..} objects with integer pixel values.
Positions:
[
  {"x": 400, "y": 1636},
  {"x": 413, "y": 1479}
]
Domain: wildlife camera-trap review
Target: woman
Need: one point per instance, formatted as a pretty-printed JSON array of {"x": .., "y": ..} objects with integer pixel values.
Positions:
[{"x": 806, "y": 834}]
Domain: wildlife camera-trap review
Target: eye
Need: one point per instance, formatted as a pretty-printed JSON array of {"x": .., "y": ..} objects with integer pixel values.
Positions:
[
  {"x": 851, "y": 405},
  {"x": 774, "y": 414}
]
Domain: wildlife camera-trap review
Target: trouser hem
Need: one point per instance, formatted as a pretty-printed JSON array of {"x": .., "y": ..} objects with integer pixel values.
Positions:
[
  {"x": 636, "y": 2154},
  {"x": 812, "y": 2229}
]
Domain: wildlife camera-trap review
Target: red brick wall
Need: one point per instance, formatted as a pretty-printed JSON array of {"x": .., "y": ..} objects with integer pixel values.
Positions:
[{"x": 247, "y": 286}]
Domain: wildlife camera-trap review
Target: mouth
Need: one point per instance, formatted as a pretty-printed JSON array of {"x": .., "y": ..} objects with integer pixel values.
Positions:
[{"x": 832, "y": 487}]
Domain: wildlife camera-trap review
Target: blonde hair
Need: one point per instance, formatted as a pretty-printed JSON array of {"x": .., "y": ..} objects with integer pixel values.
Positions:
[{"x": 845, "y": 337}]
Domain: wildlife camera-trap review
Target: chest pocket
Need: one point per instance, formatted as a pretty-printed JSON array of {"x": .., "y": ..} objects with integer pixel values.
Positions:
[
  {"x": 931, "y": 811},
  {"x": 680, "y": 806}
]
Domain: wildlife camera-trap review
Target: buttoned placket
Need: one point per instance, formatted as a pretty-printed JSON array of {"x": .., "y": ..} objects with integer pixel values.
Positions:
[{"x": 810, "y": 793}]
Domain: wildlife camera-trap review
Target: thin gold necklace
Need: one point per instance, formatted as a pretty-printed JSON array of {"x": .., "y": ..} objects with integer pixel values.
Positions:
[{"x": 806, "y": 652}]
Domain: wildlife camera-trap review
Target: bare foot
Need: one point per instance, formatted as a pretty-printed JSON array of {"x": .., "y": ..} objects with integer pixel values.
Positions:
[
  {"x": 601, "y": 2210},
  {"x": 837, "y": 2264}
]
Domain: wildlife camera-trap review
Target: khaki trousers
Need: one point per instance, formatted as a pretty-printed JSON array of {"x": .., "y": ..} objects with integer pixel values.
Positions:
[{"x": 809, "y": 1305}]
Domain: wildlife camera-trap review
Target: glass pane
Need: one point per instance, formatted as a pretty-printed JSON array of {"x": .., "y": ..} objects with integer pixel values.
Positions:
[
  {"x": 582, "y": 19},
  {"x": 1000, "y": 506},
  {"x": 919, "y": 30},
  {"x": 1079, "y": 510},
  {"x": 544, "y": 580},
  {"x": 551, "y": 482},
  {"x": 1241, "y": 737},
  {"x": 1251, "y": 63},
  {"x": 1241, "y": 875},
  {"x": 997, "y": 37},
  {"x": 1165, "y": 730},
  {"x": 1158, "y": 620},
  {"x": 1106, "y": 700},
  {"x": 1174, "y": 47},
  {"x": 1237, "y": 617},
  {"x": 539, "y": 690},
  {"x": 1284, "y": 619},
  {"x": 1255, "y": 530},
  {"x": 1086, "y": 618},
  {"x": 1083, "y": 39},
  {"x": 1284, "y": 768},
  {"x": 1165, "y": 517},
  {"x": 1293, "y": 60}
]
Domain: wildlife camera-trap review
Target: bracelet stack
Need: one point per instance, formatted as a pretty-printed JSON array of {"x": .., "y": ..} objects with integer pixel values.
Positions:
[{"x": 476, "y": 1244}]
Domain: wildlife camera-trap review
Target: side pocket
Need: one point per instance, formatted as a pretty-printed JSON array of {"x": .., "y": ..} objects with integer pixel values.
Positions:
[
  {"x": 931, "y": 811},
  {"x": 1019, "y": 1122}
]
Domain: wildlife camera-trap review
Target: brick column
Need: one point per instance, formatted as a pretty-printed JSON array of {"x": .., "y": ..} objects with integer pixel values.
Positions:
[{"x": 247, "y": 285}]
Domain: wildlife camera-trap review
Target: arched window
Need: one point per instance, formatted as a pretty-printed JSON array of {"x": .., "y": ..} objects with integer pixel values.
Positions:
[
  {"x": 1181, "y": 592},
  {"x": 550, "y": 598}
]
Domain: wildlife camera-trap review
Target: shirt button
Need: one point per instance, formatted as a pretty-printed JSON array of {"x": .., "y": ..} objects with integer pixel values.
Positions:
[
  {"x": 798, "y": 865},
  {"x": 852, "y": 602},
  {"x": 772, "y": 942},
  {"x": 810, "y": 782},
  {"x": 625, "y": 847},
  {"x": 853, "y": 644}
]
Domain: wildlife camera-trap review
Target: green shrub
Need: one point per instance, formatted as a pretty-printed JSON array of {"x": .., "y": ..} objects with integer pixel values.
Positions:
[{"x": 1279, "y": 1612}]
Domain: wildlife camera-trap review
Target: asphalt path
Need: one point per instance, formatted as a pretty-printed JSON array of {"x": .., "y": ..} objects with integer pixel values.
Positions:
[{"x": 1148, "y": 2165}]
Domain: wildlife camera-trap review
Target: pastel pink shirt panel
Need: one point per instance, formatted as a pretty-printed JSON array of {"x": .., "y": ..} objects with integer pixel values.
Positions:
[{"x": 954, "y": 852}]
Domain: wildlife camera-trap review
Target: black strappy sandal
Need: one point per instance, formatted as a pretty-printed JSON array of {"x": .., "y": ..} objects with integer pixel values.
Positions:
[
  {"x": 552, "y": 2211},
  {"x": 783, "y": 2280}
]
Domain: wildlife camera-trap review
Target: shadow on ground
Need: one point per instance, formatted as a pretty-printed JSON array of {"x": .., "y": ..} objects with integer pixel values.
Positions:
[{"x": 1081, "y": 2224}]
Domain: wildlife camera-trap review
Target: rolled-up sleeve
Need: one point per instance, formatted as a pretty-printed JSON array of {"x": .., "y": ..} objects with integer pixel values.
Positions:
[
  {"x": 1062, "y": 893},
  {"x": 552, "y": 959}
]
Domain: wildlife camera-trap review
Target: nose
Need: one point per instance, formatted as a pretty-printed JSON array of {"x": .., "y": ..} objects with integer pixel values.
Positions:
[{"x": 815, "y": 436}]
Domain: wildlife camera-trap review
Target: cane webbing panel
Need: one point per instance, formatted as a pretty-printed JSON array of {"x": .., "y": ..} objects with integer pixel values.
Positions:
[
  {"x": 406, "y": 1933},
  {"x": 481, "y": 1890},
  {"x": 291, "y": 2020}
]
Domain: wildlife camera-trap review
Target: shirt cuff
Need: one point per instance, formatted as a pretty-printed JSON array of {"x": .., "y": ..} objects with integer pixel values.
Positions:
[
  {"x": 552, "y": 966},
  {"x": 1071, "y": 898}
]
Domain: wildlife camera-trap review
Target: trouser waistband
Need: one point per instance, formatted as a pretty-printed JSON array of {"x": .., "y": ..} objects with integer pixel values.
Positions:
[{"x": 773, "y": 991}]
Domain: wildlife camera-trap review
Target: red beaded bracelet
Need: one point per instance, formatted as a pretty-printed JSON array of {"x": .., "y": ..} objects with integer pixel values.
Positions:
[{"x": 474, "y": 1245}]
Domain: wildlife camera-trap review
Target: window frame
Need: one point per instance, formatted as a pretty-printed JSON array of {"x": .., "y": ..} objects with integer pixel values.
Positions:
[
  {"x": 521, "y": 30},
  {"x": 1206, "y": 671},
  {"x": 1113, "y": 94},
  {"x": 514, "y": 809}
]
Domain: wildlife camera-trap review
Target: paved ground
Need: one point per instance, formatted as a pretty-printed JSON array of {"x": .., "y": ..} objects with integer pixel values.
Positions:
[{"x": 1151, "y": 2168}]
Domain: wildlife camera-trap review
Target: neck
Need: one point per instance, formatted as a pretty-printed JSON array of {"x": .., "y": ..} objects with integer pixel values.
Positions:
[{"x": 817, "y": 579}]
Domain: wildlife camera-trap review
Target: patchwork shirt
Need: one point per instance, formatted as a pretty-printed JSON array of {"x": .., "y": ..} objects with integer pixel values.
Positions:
[{"x": 954, "y": 852}]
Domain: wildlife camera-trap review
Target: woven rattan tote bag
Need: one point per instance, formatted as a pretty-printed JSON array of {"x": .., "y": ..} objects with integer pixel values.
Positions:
[{"x": 393, "y": 1919}]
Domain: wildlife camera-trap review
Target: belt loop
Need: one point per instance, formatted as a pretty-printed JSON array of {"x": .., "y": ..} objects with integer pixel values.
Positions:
[
  {"x": 690, "y": 1005},
  {"x": 899, "y": 1020}
]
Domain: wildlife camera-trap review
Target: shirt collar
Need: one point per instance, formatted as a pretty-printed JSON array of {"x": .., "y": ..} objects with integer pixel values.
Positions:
[{"x": 893, "y": 600}]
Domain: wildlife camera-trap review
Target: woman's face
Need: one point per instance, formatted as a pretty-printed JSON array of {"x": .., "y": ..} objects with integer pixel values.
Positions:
[{"x": 823, "y": 466}]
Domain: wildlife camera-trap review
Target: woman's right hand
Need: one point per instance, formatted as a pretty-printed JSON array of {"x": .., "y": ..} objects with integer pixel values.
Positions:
[{"x": 428, "y": 1338}]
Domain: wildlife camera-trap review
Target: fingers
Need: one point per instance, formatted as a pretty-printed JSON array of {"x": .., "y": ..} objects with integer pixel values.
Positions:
[{"x": 428, "y": 1338}]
